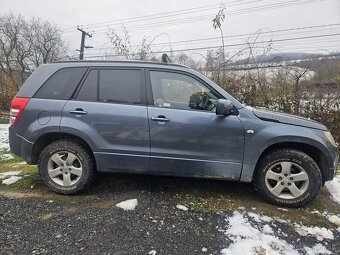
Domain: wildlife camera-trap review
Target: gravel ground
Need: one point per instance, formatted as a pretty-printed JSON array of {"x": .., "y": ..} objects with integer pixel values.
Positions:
[
  {"x": 91, "y": 224},
  {"x": 44, "y": 227}
]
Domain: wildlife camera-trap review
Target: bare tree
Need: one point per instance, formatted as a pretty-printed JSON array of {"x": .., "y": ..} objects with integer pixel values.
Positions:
[
  {"x": 24, "y": 45},
  {"x": 45, "y": 40},
  {"x": 122, "y": 47},
  {"x": 217, "y": 23}
]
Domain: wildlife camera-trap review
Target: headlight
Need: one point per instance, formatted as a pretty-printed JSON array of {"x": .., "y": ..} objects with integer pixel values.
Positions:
[{"x": 330, "y": 137}]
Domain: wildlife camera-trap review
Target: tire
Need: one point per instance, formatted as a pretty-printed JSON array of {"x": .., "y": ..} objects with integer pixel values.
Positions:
[
  {"x": 66, "y": 167},
  {"x": 291, "y": 170}
]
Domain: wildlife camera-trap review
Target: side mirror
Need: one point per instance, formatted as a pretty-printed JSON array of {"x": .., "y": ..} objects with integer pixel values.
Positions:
[{"x": 224, "y": 107}]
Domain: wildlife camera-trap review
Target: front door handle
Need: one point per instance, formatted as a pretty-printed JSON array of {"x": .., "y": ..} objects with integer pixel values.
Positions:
[
  {"x": 78, "y": 111},
  {"x": 160, "y": 118}
]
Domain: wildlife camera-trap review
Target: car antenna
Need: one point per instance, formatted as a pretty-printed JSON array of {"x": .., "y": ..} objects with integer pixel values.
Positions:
[{"x": 165, "y": 58}]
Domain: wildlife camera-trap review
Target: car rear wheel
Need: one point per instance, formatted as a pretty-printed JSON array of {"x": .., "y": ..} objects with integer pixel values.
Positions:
[
  {"x": 288, "y": 177},
  {"x": 66, "y": 167}
]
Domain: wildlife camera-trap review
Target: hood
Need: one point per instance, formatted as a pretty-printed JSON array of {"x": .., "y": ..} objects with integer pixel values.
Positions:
[{"x": 287, "y": 119}]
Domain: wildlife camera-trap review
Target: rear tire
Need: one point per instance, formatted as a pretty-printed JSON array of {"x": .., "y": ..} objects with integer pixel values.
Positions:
[
  {"x": 67, "y": 167},
  {"x": 287, "y": 177}
]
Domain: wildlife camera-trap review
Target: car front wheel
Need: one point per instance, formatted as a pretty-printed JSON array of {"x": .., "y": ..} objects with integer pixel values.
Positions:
[{"x": 288, "y": 177}]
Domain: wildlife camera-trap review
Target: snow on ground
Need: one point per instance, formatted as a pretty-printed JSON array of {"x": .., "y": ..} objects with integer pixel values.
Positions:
[
  {"x": 4, "y": 136},
  {"x": 128, "y": 204},
  {"x": 317, "y": 249},
  {"x": 10, "y": 173},
  {"x": 334, "y": 219},
  {"x": 182, "y": 207},
  {"x": 319, "y": 233},
  {"x": 11, "y": 180},
  {"x": 334, "y": 188},
  {"x": 10, "y": 177},
  {"x": 250, "y": 238},
  {"x": 6, "y": 156},
  {"x": 251, "y": 233}
]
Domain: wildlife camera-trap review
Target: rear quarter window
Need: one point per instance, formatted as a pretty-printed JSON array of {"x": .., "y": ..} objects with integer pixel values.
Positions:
[{"x": 61, "y": 84}]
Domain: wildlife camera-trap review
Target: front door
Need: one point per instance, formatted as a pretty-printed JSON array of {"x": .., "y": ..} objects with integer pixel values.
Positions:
[{"x": 187, "y": 138}]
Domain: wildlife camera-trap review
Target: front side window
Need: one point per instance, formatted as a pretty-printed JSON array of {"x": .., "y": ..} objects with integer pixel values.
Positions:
[
  {"x": 61, "y": 84},
  {"x": 120, "y": 86},
  {"x": 174, "y": 90}
]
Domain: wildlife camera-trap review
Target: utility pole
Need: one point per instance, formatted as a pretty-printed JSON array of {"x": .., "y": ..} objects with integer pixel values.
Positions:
[{"x": 82, "y": 42}]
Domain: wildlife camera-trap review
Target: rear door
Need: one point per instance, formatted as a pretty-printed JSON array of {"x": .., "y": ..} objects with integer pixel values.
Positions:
[
  {"x": 187, "y": 137},
  {"x": 109, "y": 112}
]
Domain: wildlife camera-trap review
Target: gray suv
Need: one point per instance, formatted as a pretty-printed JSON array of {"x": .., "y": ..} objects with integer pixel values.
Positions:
[{"x": 75, "y": 119}]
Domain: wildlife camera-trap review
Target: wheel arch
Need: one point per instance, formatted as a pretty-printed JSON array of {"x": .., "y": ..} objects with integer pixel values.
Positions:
[
  {"x": 47, "y": 138},
  {"x": 315, "y": 153}
]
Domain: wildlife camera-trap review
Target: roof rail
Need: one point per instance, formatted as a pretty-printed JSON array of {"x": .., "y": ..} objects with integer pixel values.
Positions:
[{"x": 117, "y": 61}]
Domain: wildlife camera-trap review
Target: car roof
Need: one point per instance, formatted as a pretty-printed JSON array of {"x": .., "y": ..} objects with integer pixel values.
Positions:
[{"x": 116, "y": 62}]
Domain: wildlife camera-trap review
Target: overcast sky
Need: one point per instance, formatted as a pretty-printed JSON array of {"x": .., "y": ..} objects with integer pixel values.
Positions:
[{"x": 243, "y": 17}]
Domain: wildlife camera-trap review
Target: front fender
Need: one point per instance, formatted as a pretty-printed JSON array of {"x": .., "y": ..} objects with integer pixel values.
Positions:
[{"x": 268, "y": 134}]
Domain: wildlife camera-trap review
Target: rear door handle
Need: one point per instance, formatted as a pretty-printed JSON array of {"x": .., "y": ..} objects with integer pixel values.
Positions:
[
  {"x": 160, "y": 118},
  {"x": 78, "y": 111}
]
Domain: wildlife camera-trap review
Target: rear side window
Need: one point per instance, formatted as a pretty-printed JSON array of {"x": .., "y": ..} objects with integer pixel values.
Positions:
[
  {"x": 61, "y": 84},
  {"x": 120, "y": 86}
]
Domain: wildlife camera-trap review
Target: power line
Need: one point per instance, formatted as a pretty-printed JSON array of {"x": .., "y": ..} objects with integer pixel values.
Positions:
[
  {"x": 167, "y": 14},
  {"x": 236, "y": 36},
  {"x": 200, "y": 17},
  {"x": 246, "y": 34},
  {"x": 238, "y": 44}
]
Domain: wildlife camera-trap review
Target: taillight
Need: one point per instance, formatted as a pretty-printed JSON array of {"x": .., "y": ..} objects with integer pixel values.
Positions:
[{"x": 17, "y": 107}]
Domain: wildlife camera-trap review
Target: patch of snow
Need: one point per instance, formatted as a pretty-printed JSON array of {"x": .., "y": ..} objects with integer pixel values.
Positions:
[
  {"x": 22, "y": 163},
  {"x": 11, "y": 180},
  {"x": 319, "y": 233},
  {"x": 152, "y": 252},
  {"x": 259, "y": 218},
  {"x": 10, "y": 173},
  {"x": 128, "y": 204},
  {"x": 251, "y": 240},
  {"x": 315, "y": 212},
  {"x": 267, "y": 229},
  {"x": 318, "y": 249},
  {"x": 334, "y": 219},
  {"x": 5, "y": 157},
  {"x": 4, "y": 144},
  {"x": 182, "y": 207},
  {"x": 204, "y": 249},
  {"x": 334, "y": 188},
  {"x": 282, "y": 209}
]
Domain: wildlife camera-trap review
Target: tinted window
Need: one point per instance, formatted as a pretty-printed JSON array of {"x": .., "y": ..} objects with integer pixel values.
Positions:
[
  {"x": 121, "y": 86},
  {"x": 61, "y": 84},
  {"x": 181, "y": 91},
  {"x": 88, "y": 91}
]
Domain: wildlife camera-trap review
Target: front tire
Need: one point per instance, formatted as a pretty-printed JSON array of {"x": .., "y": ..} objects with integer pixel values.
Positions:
[
  {"x": 288, "y": 177},
  {"x": 66, "y": 167}
]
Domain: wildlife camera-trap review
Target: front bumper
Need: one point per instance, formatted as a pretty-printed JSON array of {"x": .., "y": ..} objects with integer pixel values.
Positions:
[{"x": 20, "y": 146}]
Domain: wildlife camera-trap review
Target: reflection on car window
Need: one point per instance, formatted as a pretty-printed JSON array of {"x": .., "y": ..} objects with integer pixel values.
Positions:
[{"x": 180, "y": 91}]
